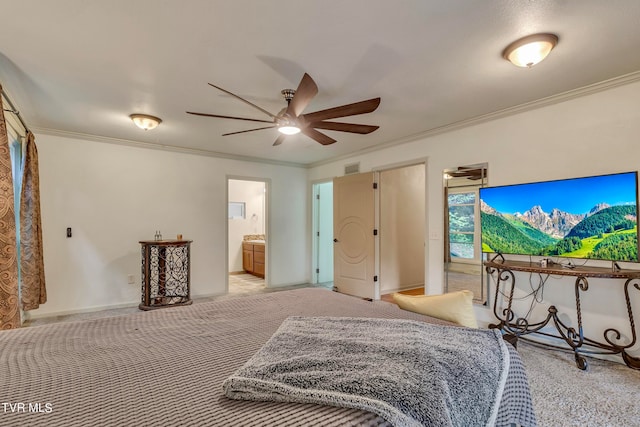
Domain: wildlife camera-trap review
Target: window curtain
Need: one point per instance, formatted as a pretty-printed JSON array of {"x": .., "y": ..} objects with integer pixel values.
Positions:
[
  {"x": 33, "y": 291},
  {"x": 9, "y": 294}
]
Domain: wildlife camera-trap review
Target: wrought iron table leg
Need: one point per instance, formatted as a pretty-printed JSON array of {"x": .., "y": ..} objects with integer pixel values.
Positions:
[
  {"x": 632, "y": 362},
  {"x": 581, "y": 285},
  {"x": 581, "y": 362},
  {"x": 503, "y": 276}
]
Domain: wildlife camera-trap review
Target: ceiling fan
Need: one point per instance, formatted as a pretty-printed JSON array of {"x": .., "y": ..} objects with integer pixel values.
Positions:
[
  {"x": 469, "y": 172},
  {"x": 290, "y": 119}
]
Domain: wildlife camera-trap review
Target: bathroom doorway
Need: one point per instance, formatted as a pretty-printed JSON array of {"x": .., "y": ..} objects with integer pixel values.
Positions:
[{"x": 247, "y": 239}]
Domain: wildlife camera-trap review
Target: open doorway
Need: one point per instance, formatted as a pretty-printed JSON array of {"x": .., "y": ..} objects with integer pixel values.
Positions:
[
  {"x": 402, "y": 205},
  {"x": 323, "y": 233},
  {"x": 247, "y": 239}
]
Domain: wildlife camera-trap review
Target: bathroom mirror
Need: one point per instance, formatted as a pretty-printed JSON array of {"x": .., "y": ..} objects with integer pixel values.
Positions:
[{"x": 237, "y": 210}]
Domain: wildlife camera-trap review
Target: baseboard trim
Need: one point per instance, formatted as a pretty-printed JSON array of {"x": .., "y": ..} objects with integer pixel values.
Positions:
[
  {"x": 32, "y": 316},
  {"x": 404, "y": 288}
]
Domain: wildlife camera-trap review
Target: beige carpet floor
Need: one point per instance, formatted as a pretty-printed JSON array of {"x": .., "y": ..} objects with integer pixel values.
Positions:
[
  {"x": 607, "y": 394},
  {"x": 461, "y": 281}
]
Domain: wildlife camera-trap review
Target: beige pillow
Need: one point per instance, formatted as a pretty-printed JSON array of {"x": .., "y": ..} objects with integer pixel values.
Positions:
[{"x": 455, "y": 307}]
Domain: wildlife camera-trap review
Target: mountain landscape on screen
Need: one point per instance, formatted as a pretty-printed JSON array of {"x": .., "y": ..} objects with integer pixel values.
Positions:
[{"x": 608, "y": 233}]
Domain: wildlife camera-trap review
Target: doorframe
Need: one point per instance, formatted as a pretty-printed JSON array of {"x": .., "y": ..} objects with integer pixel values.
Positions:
[
  {"x": 377, "y": 169},
  {"x": 314, "y": 223},
  {"x": 267, "y": 225}
]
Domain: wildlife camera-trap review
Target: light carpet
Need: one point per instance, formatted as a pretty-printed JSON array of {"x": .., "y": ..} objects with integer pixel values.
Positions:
[{"x": 605, "y": 395}]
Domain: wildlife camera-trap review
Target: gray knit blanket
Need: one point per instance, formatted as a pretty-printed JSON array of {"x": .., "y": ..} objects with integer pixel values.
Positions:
[{"x": 408, "y": 372}]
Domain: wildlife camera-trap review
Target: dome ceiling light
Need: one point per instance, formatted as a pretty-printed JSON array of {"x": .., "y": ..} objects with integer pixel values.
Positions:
[
  {"x": 145, "y": 122},
  {"x": 528, "y": 51}
]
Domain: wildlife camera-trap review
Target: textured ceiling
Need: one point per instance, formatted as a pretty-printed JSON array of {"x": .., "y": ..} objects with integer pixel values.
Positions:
[{"x": 81, "y": 67}]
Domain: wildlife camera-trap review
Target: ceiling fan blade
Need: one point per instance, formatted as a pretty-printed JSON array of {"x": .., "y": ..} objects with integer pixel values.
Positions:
[
  {"x": 279, "y": 140},
  {"x": 244, "y": 100},
  {"x": 307, "y": 89},
  {"x": 354, "y": 109},
  {"x": 469, "y": 172},
  {"x": 344, "y": 127},
  {"x": 229, "y": 117},
  {"x": 248, "y": 130},
  {"x": 317, "y": 136}
]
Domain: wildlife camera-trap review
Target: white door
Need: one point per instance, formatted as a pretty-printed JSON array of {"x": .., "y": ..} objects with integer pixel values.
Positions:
[{"x": 353, "y": 231}]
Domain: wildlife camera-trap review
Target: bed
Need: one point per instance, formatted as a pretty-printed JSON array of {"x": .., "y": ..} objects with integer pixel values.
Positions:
[{"x": 166, "y": 367}]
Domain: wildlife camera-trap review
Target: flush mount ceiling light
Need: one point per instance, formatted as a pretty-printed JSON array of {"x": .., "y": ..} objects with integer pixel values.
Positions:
[
  {"x": 144, "y": 121},
  {"x": 528, "y": 51}
]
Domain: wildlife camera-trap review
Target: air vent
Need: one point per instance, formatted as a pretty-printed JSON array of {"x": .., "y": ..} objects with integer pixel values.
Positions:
[{"x": 351, "y": 168}]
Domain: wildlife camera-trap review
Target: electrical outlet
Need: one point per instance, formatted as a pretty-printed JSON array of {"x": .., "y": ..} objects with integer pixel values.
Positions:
[{"x": 130, "y": 279}]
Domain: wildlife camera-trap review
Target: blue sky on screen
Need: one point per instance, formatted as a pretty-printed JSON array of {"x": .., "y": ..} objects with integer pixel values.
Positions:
[{"x": 575, "y": 196}]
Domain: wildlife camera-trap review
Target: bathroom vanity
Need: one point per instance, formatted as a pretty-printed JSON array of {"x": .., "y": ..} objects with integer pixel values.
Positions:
[{"x": 253, "y": 257}]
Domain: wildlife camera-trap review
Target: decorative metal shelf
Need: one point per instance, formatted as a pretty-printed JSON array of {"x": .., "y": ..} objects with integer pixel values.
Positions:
[
  {"x": 502, "y": 271},
  {"x": 165, "y": 273}
]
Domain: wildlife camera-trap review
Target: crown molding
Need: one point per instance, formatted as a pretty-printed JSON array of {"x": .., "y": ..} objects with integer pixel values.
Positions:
[
  {"x": 506, "y": 112},
  {"x": 162, "y": 147}
]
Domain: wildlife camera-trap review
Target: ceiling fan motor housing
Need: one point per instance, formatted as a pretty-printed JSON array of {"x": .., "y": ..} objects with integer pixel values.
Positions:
[{"x": 288, "y": 94}]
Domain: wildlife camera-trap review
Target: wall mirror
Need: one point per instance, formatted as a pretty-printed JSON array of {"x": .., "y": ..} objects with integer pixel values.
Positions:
[
  {"x": 463, "y": 257},
  {"x": 237, "y": 210}
]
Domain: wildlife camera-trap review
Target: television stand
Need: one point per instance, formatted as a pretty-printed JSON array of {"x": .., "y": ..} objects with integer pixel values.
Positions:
[{"x": 503, "y": 272}]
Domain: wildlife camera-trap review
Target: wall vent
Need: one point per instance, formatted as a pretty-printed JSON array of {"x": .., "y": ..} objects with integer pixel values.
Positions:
[{"x": 352, "y": 168}]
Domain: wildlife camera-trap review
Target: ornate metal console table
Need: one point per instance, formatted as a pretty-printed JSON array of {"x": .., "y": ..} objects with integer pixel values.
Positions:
[
  {"x": 165, "y": 273},
  {"x": 502, "y": 271}
]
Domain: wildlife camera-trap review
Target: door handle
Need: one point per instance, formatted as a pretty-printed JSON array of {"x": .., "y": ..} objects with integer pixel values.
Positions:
[{"x": 335, "y": 240}]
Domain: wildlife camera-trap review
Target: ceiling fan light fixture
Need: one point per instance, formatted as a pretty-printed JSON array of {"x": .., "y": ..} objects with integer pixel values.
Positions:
[
  {"x": 289, "y": 130},
  {"x": 145, "y": 121},
  {"x": 528, "y": 51}
]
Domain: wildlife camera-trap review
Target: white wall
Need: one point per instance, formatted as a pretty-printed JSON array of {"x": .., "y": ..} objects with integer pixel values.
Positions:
[
  {"x": 113, "y": 196},
  {"x": 252, "y": 194},
  {"x": 590, "y": 135}
]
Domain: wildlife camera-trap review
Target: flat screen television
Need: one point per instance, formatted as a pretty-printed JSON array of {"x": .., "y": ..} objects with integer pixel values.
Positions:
[{"x": 591, "y": 218}]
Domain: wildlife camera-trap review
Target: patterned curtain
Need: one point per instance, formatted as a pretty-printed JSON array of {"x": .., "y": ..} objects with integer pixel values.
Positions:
[
  {"x": 31, "y": 261},
  {"x": 9, "y": 309}
]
